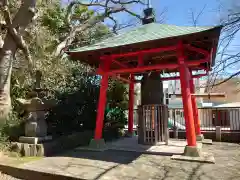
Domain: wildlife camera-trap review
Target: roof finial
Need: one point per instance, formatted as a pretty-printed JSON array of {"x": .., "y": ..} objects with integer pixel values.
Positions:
[{"x": 148, "y": 14}]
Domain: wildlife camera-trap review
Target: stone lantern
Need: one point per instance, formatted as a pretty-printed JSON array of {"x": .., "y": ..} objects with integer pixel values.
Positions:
[
  {"x": 35, "y": 123},
  {"x": 35, "y": 108}
]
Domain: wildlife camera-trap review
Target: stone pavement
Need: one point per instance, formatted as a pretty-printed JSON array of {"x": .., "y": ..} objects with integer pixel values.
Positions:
[
  {"x": 122, "y": 165},
  {"x": 13, "y": 162},
  {"x": 7, "y": 177},
  {"x": 131, "y": 144}
]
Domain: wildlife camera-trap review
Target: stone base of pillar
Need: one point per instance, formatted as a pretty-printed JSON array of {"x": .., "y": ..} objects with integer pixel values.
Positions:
[
  {"x": 97, "y": 144},
  {"x": 128, "y": 134},
  {"x": 192, "y": 151},
  {"x": 200, "y": 137},
  {"x": 195, "y": 154}
]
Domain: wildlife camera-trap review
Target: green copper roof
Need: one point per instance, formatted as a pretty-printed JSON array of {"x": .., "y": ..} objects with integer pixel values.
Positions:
[{"x": 143, "y": 33}]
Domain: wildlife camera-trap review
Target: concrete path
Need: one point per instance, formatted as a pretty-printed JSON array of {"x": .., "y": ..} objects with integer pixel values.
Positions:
[{"x": 122, "y": 165}]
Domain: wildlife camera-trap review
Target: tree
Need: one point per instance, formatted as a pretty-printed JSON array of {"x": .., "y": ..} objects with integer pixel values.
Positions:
[
  {"x": 228, "y": 57},
  {"x": 227, "y": 60},
  {"x": 18, "y": 18},
  {"x": 106, "y": 9},
  {"x": 13, "y": 40}
]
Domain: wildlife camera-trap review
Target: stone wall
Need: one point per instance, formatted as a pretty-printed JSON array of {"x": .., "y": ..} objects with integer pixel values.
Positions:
[
  {"x": 54, "y": 146},
  {"x": 67, "y": 142}
]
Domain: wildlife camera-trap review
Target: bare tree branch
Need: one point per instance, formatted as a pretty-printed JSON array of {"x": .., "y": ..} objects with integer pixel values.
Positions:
[
  {"x": 133, "y": 14},
  {"x": 109, "y": 10},
  {"x": 227, "y": 79},
  {"x": 128, "y": 2},
  {"x": 115, "y": 24},
  {"x": 195, "y": 19},
  {"x": 76, "y": 2},
  {"x": 227, "y": 59}
]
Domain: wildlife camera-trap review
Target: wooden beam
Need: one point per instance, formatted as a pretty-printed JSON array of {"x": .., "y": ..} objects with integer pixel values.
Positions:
[
  {"x": 115, "y": 76},
  {"x": 119, "y": 63},
  {"x": 199, "y": 50},
  {"x": 141, "y": 69},
  {"x": 154, "y": 50},
  {"x": 157, "y": 50},
  {"x": 216, "y": 95},
  {"x": 113, "y": 60},
  {"x": 176, "y": 77}
]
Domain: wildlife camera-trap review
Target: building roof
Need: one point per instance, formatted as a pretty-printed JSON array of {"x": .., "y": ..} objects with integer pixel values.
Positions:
[
  {"x": 149, "y": 36},
  {"x": 143, "y": 33}
]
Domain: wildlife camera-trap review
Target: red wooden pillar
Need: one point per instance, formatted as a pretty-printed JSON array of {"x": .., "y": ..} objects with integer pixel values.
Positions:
[
  {"x": 104, "y": 67},
  {"x": 131, "y": 105},
  {"x": 186, "y": 97},
  {"x": 195, "y": 109}
]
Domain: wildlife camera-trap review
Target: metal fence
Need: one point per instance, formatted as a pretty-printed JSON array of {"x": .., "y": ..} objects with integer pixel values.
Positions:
[{"x": 227, "y": 118}]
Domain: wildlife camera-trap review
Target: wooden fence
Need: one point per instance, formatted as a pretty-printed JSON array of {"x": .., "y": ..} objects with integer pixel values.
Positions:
[{"x": 152, "y": 124}]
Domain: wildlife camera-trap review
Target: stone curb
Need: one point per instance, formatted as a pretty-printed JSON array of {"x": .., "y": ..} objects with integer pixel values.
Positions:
[{"x": 30, "y": 174}]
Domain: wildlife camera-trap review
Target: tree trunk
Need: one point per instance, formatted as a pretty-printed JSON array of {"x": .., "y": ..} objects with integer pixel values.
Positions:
[
  {"x": 21, "y": 20},
  {"x": 5, "y": 81},
  {"x": 152, "y": 89}
]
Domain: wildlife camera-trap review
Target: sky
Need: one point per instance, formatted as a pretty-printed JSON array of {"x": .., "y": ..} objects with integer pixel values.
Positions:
[{"x": 178, "y": 12}]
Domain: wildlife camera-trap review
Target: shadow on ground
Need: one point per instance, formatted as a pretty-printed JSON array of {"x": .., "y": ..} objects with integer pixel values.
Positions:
[{"x": 119, "y": 157}]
